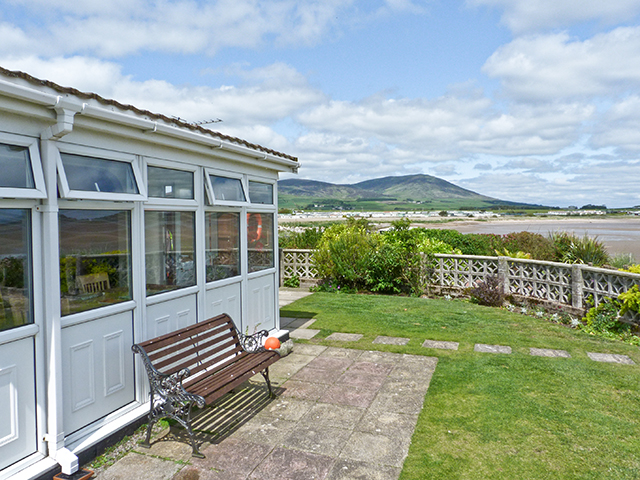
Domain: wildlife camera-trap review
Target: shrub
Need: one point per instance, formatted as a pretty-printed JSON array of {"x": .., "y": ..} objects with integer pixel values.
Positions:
[
  {"x": 632, "y": 268},
  {"x": 630, "y": 300},
  {"x": 291, "y": 282},
  {"x": 343, "y": 252},
  {"x": 305, "y": 239},
  {"x": 539, "y": 247},
  {"x": 489, "y": 293},
  {"x": 623, "y": 261},
  {"x": 570, "y": 248},
  {"x": 471, "y": 244}
]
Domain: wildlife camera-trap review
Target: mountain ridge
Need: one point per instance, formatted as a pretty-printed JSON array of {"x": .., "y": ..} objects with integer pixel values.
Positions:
[{"x": 385, "y": 193}]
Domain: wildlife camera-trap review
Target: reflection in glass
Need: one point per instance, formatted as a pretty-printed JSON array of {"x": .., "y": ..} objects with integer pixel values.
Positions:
[
  {"x": 260, "y": 241},
  {"x": 95, "y": 259},
  {"x": 15, "y": 268},
  {"x": 15, "y": 165},
  {"x": 169, "y": 248},
  {"x": 90, "y": 174},
  {"x": 222, "y": 245},
  {"x": 170, "y": 183},
  {"x": 261, "y": 192},
  {"x": 227, "y": 189}
]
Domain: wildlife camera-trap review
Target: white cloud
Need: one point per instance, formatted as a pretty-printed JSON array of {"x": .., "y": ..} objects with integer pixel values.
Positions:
[
  {"x": 551, "y": 67},
  {"x": 523, "y": 16}
]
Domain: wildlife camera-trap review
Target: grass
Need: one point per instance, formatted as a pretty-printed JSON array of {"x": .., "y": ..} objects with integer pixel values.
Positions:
[{"x": 501, "y": 416}]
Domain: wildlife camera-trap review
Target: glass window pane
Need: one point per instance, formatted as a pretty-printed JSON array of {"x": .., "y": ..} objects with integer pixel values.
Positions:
[
  {"x": 169, "y": 247},
  {"x": 90, "y": 174},
  {"x": 15, "y": 268},
  {"x": 223, "y": 245},
  {"x": 260, "y": 241},
  {"x": 261, "y": 193},
  {"x": 227, "y": 189},
  {"x": 95, "y": 259},
  {"x": 15, "y": 165},
  {"x": 170, "y": 183}
]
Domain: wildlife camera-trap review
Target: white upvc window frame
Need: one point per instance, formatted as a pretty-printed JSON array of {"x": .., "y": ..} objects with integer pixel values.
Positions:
[
  {"x": 39, "y": 190},
  {"x": 171, "y": 165},
  {"x": 274, "y": 193},
  {"x": 67, "y": 193},
  {"x": 233, "y": 175}
]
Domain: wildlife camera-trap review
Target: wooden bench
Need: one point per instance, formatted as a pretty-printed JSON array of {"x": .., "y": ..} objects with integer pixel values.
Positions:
[{"x": 199, "y": 364}]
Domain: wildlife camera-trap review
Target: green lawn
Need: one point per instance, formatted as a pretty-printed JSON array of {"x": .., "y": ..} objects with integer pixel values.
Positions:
[{"x": 495, "y": 416}]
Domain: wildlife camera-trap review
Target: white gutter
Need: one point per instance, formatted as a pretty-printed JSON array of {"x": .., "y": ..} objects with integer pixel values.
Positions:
[{"x": 33, "y": 95}]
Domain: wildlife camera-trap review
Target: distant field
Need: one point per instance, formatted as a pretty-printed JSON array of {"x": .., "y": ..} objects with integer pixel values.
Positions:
[{"x": 307, "y": 203}]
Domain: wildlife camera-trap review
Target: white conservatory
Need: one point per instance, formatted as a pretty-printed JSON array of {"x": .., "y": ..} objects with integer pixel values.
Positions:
[{"x": 116, "y": 225}]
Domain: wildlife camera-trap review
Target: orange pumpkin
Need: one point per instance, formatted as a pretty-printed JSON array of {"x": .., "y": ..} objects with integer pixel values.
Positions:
[{"x": 272, "y": 343}]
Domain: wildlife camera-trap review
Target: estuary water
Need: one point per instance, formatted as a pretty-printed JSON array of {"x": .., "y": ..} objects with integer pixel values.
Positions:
[{"x": 619, "y": 234}]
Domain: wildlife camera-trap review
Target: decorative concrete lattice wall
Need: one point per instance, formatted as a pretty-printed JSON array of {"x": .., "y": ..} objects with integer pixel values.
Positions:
[
  {"x": 577, "y": 286},
  {"x": 297, "y": 263}
]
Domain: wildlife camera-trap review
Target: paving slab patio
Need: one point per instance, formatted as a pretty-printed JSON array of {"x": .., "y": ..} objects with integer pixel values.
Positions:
[
  {"x": 440, "y": 344},
  {"x": 546, "y": 352},
  {"x": 391, "y": 340},
  {"x": 339, "y": 414},
  {"x": 345, "y": 337}
]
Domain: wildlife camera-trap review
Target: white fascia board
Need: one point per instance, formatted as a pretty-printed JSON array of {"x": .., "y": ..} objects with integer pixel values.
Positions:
[{"x": 32, "y": 95}]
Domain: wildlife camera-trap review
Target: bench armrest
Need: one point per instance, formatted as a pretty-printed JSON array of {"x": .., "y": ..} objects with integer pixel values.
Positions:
[
  {"x": 164, "y": 385},
  {"x": 253, "y": 343}
]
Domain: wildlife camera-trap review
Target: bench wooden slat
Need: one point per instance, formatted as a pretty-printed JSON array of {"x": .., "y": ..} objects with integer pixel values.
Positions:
[
  {"x": 194, "y": 356},
  {"x": 190, "y": 341}
]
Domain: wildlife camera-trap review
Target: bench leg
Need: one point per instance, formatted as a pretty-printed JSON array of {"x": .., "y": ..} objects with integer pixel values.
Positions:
[{"x": 265, "y": 374}]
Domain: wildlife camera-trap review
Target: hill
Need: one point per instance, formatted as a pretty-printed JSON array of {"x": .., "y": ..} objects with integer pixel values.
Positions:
[{"x": 415, "y": 192}]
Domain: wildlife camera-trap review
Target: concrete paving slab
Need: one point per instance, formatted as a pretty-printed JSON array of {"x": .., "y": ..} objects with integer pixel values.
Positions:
[
  {"x": 265, "y": 430},
  {"x": 382, "y": 449},
  {"x": 170, "y": 444},
  {"x": 371, "y": 368},
  {"x": 546, "y": 352},
  {"x": 292, "y": 409},
  {"x": 395, "y": 425},
  {"x": 316, "y": 438},
  {"x": 481, "y": 347},
  {"x": 352, "y": 470},
  {"x": 281, "y": 371},
  {"x": 135, "y": 465},
  {"x": 342, "y": 416},
  {"x": 287, "y": 464},
  {"x": 335, "y": 352},
  {"x": 439, "y": 344},
  {"x": 195, "y": 473},
  {"x": 374, "y": 356},
  {"x": 306, "y": 349},
  {"x": 355, "y": 396},
  {"x": 362, "y": 379},
  {"x": 290, "y": 295},
  {"x": 409, "y": 402},
  {"x": 303, "y": 390},
  {"x": 330, "y": 363},
  {"x": 391, "y": 340},
  {"x": 345, "y": 337},
  {"x": 233, "y": 457},
  {"x": 318, "y": 375},
  {"x": 303, "y": 333},
  {"x": 610, "y": 358}
]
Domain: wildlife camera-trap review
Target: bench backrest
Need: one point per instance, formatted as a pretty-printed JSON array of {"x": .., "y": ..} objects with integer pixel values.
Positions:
[{"x": 208, "y": 345}]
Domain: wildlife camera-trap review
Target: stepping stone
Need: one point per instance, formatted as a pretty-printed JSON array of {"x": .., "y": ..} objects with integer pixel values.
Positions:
[
  {"x": 345, "y": 337},
  {"x": 440, "y": 344},
  {"x": 610, "y": 358},
  {"x": 391, "y": 340},
  {"x": 480, "y": 347},
  {"x": 545, "y": 352},
  {"x": 303, "y": 333}
]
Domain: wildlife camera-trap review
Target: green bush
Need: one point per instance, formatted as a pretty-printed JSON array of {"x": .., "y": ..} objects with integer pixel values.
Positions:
[
  {"x": 291, "y": 282},
  {"x": 470, "y": 244},
  {"x": 630, "y": 300},
  {"x": 306, "y": 239},
  {"x": 343, "y": 254},
  {"x": 604, "y": 321},
  {"x": 540, "y": 247},
  {"x": 570, "y": 248}
]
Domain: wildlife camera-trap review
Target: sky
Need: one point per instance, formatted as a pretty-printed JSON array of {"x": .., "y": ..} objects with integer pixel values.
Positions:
[{"x": 533, "y": 101}]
